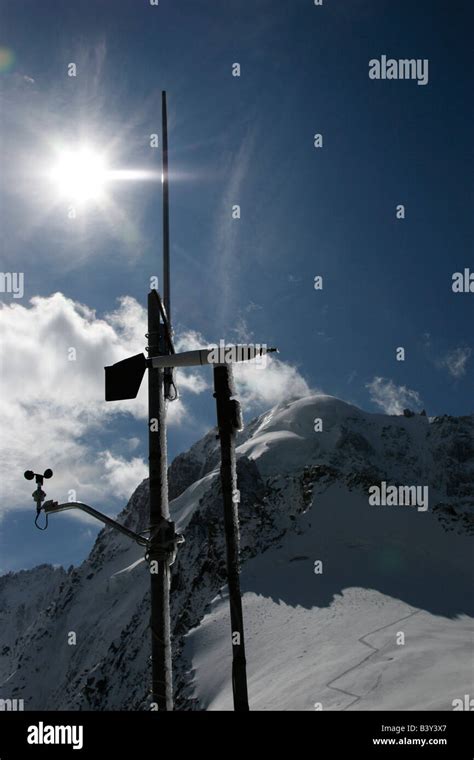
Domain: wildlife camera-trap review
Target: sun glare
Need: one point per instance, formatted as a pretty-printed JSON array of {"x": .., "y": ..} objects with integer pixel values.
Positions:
[{"x": 80, "y": 175}]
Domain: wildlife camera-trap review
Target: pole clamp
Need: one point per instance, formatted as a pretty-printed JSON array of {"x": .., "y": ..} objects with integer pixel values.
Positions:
[{"x": 163, "y": 543}]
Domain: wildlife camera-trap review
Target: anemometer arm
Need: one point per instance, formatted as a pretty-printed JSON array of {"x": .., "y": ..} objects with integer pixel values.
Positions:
[
  {"x": 167, "y": 542},
  {"x": 51, "y": 507}
]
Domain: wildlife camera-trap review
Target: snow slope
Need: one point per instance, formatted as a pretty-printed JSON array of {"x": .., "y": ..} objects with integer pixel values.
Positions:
[{"x": 330, "y": 639}]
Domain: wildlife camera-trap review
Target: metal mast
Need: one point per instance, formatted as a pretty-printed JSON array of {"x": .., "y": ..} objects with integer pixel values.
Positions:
[
  {"x": 122, "y": 381},
  {"x": 160, "y": 527},
  {"x": 166, "y": 216}
]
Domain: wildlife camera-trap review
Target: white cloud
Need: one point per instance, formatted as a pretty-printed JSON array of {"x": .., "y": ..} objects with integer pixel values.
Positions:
[
  {"x": 455, "y": 361},
  {"x": 260, "y": 386},
  {"x": 261, "y": 382},
  {"x": 123, "y": 476},
  {"x": 52, "y": 407},
  {"x": 393, "y": 399}
]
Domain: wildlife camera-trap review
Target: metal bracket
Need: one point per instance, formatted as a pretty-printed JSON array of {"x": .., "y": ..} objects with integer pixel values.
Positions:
[
  {"x": 51, "y": 507},
  {"x": 163, "y": 543}
]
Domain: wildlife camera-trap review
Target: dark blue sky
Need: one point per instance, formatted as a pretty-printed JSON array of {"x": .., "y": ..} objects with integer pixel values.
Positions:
[{"x": 249, "y": 141}]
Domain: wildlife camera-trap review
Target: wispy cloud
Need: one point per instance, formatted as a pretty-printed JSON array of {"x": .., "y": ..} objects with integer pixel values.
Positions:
[
  {"x": 226, "y": 237},
  {"x": 455, "y": 361},
  {"x": 393, "y": 399}
]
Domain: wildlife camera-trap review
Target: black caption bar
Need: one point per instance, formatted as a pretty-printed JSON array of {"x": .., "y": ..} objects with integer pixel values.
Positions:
[{"x": 376, "y": 734}]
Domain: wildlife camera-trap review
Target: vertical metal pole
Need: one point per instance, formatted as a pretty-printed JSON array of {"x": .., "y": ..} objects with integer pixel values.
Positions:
[
  {"x": 228, "y": 421},
  {"x": 166, "y": 232},
  {"x": 162, "y": 686},
  {"x": 168, "y": 374}
]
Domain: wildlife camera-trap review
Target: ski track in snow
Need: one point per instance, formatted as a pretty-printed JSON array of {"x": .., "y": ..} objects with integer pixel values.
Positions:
[{"x": 357, "y": 697}]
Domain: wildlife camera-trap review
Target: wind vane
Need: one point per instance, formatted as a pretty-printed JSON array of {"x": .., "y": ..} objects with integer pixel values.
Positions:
[{"x": 122, "y": 381}]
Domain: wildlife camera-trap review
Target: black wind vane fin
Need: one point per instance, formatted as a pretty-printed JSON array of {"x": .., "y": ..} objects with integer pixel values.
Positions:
[{"x": 123, "y": 379}]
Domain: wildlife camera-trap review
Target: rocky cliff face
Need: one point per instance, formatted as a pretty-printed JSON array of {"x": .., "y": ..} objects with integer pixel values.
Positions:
[{"x": 79, "y": 639}]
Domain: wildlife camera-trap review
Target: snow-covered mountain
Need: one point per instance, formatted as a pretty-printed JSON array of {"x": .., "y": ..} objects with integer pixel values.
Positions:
[{"x": 387, "y": 624}]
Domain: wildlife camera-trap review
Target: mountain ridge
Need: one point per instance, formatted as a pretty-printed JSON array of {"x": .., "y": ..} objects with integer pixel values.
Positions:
[{"x": 303, "y": 499}]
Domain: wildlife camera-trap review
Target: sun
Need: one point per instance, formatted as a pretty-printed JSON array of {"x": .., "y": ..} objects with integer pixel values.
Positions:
[{"x": 80, "y": 175}]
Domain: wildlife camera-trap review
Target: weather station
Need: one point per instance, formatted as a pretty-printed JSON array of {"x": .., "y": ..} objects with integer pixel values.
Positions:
[{"x": 82, "y": 177}]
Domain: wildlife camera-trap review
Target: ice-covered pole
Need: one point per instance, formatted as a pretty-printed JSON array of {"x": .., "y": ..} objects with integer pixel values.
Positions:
[
  {"x": 228, "y": 422},
  {"x": 161, "y": 529}
]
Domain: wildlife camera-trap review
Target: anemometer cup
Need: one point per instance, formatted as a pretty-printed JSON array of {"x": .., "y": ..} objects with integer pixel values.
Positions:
[{"x": 29, "y": 475}]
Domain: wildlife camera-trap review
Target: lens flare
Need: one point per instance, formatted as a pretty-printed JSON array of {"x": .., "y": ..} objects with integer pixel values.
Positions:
[{"x": 7, "y": 60}]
